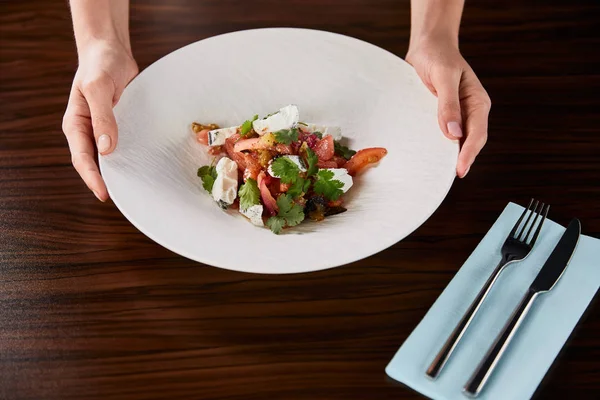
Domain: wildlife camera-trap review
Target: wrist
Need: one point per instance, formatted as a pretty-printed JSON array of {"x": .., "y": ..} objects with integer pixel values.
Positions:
[
  {"x": 438, "y": 39},
  {"x": 436, "y": 35},
  {"x": 435, "y": 22},
  {"x": 93, "y": 43},
  {"x": 99, "y": 22}
]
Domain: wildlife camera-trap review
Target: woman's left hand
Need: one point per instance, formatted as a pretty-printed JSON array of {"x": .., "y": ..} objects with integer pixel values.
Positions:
[{"x": 463, "y": 103}]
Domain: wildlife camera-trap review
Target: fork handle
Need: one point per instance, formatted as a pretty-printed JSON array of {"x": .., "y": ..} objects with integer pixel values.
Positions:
[
  {"x": 446, "y": 351},
  {"x": 488, "y": 363}
]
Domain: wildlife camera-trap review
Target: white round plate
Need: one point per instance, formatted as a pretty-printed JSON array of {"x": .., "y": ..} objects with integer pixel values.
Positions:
[{"x": 375, "y": 97}]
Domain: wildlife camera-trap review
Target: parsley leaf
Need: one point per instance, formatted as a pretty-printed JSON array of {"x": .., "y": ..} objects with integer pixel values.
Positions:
[
  {"x": 342, "y": 150},
  {"x": 286, "y": 136},
  {"x": 285, "y": 169},
  {"x": 247, "y": 126},
  {"x": 318, "y": 134},
  {"x": 327, "y": 186},
  {"x": 290, "y": 214},
  {"x": 276, "y": 224},
  {"x": 208, "y": 174},
  {"x": 249, "y": 194},
  {"x": 312, "y": 159}
]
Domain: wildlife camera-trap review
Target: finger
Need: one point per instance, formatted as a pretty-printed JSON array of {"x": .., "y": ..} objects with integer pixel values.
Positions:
[
  {"x": 99, "y": 94},
  {"x": 447, "y": 83},
  {"x": 477, "y": 109},
  {"x": 78, "y": 131}
]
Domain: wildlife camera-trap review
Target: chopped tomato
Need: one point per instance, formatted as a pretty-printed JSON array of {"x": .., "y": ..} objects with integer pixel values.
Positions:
[
  {"x": 275, "y": 186},
  {"x": 202, "y": 136},
  {"x": 284, "y": 187},
  {"x": 325, "y": 148},
  {"x": 252, "y": 161},
  {"x": 246, "y": 144},
  {"x": 253, "y": 167},
  {"x": 283, "y": 148},
  {"x": 340, "y": 161},
  {"x": 238, "y": 157},
  {"x": 327, "y": 164},
  {"x": 335, "y": 203},
  {"x": 215, "y": 150},
  {"x": 265, "y": 194},
  {"x": 257, "y": 143},
  {"x": 364, "y": 158},
  {"x": 250, "y": 173}
]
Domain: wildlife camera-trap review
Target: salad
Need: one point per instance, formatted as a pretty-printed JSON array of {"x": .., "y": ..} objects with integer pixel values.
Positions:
[{"x": 278, "y": 171}]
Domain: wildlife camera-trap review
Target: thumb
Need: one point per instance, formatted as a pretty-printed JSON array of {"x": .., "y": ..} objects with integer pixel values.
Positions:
[
  {"x": 447, "y": 85},
  {"x": 99, "y": 94}
]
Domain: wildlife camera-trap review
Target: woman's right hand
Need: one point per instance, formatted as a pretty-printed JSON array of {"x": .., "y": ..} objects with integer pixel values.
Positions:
[{"x": 105, "y": 68}]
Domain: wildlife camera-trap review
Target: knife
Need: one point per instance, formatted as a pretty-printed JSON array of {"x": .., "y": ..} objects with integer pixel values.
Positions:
[{"x": 545, "y": 280}]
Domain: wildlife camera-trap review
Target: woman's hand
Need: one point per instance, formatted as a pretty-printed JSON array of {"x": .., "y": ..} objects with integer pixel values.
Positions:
[
  {"x": 105, "y": 68},
  {"x": 463, "y": 103}
]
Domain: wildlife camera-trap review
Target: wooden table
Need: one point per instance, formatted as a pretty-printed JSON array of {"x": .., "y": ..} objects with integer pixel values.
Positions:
[{"x": 91, "y": 308}]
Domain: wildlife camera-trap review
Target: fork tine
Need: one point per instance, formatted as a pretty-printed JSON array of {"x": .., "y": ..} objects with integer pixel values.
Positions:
[
  {"x": 537, "y": 215},
  {"x": 539, "y": 228},
  {"x": 519, "y": 237},
  {"x": 514, "y": 229}
]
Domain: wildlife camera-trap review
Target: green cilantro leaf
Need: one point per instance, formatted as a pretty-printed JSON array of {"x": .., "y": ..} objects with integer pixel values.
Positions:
[
  {"x": 208, "y": 174},
  {"x": 249, "y": 194},
  {"x": 312, "y": 160},
  {"x": 286, "y": 136},
  {"x": 318, "y": 134},
  {"x": 276, "y": 224},
  {"x": 327, "y": 186},
  {"x": 306, "y": 186},
  {"x": 285, "y": 169},
  {"x": 299, "y": 187},
  {"x": 247, "y": 126},
  {"x": 290, "y": 211},
  {"x": 290, "y": 214},
  {"x": 342, "y": 150}
]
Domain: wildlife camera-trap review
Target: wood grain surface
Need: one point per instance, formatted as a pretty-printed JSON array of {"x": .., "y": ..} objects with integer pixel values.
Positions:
[{"x": 92, "y": 309}]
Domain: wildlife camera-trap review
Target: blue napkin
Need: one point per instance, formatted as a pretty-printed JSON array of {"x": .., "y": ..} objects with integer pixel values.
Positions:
[{"x": 538, "y": 340}]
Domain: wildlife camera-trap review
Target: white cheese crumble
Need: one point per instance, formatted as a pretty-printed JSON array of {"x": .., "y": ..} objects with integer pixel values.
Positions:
[
  {"x": 254, "y": 214},
  {"x": 225, "y": 187},
  {"x": 285, "y": 118},
  {"x": 334, "y": 131},
  {"x": 217, "y": 137}
]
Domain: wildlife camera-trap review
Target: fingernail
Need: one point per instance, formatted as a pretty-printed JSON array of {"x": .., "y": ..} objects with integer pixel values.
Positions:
[
  {"x": 103, "y": 143},
  {"x": 97, "y": 196},
  {"x": 454, "y": 129},
  {"x": 467, "y": 171}
]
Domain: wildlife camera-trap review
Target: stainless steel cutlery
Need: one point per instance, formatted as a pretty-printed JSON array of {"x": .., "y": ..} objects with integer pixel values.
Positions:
[
  {"x": 516, "y": 247},
  {"x": 545, "y": 280}
]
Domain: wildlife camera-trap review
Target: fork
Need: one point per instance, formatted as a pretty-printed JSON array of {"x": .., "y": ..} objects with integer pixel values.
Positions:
[{"x": 516, "y": 247}]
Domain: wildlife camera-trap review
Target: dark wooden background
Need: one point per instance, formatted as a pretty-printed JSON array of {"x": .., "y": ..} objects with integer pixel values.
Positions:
[{"x": 90, "y": 308}]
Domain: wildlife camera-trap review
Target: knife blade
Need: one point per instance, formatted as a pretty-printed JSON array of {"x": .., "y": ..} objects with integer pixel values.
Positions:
[
  {"x": 556, "y": 264},
  {"x": 546, "y": 279}
]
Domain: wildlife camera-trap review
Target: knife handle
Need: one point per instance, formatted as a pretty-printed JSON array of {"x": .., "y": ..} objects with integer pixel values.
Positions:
[
  {"x": 459, "y": 330},
  {"x": 488, "y": 363}
]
